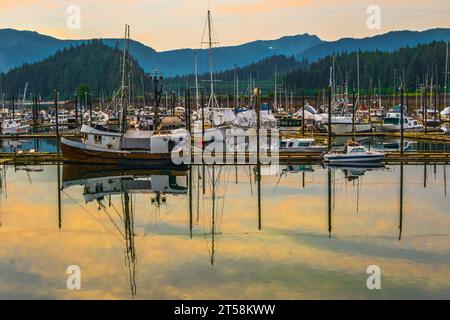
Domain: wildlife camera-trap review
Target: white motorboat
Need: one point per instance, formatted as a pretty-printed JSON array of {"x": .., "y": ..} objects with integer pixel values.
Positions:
[
  {"x": 391, "y": 123},
  {"x": 354, "y": 153},
  {"x": 344, "y": 125}
]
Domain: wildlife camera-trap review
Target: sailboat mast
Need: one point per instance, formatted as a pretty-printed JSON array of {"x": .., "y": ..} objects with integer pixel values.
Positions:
[
  {"x": 446, "y": 78},
  {"x": 197, "y": 101},
  {"x": 358, "y": 78},
  {"x": 123, "y": 66},
  {"x": 210, "y": 45},
  {"x": 125, "y": 80},
  {"x": 275, "y": 102}
]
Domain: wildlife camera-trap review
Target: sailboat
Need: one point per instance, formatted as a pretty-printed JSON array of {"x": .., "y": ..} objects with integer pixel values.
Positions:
[
  {"x": 214, "y": 121},
  {"x": 124, "y": 146},
  {"x": 344, "y": 123}
]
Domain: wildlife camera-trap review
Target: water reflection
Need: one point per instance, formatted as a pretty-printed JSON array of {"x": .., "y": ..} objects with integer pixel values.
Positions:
[
  {"x": 298, "y": 233},
  {"x": 21, "y": 144},
  {"x": 100, "y": 184}
]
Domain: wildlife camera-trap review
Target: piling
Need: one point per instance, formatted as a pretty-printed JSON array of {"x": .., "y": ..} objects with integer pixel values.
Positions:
[
  {"x": 258, "y": 122},
  {"x": 13, "y": 106},
  {"x": 425, "y": 113},
  {"x": 303, "y": 112},
  {"x": 402, "y": 98},
  {"x": 354, "y": 112},
  {"x": 329, "y": 119},
  {"x": 76, "y": 110},
  {"x": 90, "y": 109},
  {"x": 57, "y": 121}
]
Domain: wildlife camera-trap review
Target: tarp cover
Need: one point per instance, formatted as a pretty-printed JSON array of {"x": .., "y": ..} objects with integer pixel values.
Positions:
[
  {"x": 222, "y": 116},
  {"x": 134, "y": 139},
  {"x": 446, "y": 112},
  {"x": 247, "y": 119}
]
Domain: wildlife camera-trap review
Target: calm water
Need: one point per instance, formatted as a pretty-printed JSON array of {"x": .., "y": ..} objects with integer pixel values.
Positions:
[{"x": 311, "y": 234}]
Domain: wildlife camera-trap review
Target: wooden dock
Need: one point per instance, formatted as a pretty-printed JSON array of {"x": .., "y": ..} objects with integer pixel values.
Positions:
[
  {"x": 431, "y": 136},
  {"x": 241, "y": 158},
  {"x": 40, "y": 135}
]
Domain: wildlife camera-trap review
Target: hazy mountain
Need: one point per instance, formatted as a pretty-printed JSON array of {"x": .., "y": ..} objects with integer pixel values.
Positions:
[
  {"x": 387, "y": 42},
  {"x": 18, "y": 47}
]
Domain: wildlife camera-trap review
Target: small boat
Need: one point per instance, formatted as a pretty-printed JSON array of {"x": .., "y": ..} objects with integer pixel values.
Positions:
[
  {"x": 12, "y": 127},
  {"x": 344, "y": 125},
  {"x": 354, "y": 153},
  {"x": 301, "y": 145},
  {"x": 391, "y": 122}
]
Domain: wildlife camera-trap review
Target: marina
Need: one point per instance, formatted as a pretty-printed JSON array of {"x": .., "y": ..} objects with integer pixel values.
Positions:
[{"x": 293, "y": 168}]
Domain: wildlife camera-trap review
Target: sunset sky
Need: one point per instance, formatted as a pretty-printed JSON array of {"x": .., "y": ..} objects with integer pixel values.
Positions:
[{"x": 166, "y": 25}]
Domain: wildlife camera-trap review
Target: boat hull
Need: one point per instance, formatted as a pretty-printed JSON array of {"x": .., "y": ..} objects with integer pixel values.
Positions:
[
  {"x": 344, "y": 128},
  {"x": 15, "y": 130},
  {"x": 76, "y": 152}
]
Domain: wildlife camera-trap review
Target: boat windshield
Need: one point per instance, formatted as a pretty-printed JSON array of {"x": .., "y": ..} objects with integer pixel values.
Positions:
[
  {"x": 358, "y": 150},
  {"x": 391, "y": 121},
  {"x": 304, "y": 144}
]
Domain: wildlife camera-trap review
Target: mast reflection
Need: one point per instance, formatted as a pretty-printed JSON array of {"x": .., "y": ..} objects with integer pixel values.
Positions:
[{"x": 103, "y": 183}]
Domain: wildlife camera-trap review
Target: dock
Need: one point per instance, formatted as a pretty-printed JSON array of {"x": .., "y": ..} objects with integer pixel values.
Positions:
[
  {"x": 240, "y": 158},
  {"x": 40, "y": 135}
]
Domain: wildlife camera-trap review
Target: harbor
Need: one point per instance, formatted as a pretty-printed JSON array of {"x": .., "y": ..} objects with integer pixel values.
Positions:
[{"x": 258, "y": 162}]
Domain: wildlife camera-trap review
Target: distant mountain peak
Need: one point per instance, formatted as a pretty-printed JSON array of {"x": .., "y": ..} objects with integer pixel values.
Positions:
[{"x": 389, "y": 42}]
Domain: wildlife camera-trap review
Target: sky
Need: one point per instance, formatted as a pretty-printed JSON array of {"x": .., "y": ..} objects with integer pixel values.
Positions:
[{"x": 174, "y": 24}]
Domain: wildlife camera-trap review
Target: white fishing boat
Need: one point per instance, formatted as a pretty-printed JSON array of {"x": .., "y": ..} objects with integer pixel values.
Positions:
[
  {"x": 14, "y": 126},
  {"x": 354, "y": 153}
]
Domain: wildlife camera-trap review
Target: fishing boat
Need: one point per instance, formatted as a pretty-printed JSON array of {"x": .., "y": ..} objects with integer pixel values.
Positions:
[
  {"x": 125, "y": 146},
  {"x": 301, "y": 145},
  {"x": 14, "y": 126},
  {"x": 354, "y": 153}
]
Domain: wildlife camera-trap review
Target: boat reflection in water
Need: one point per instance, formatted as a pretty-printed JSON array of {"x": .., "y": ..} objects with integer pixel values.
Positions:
[
  {"x": 353, "y": 171},
  {"x": 102, "y": 183}
]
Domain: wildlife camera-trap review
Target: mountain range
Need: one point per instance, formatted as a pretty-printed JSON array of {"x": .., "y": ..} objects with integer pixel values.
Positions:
[{"x": 19, "y": 47}]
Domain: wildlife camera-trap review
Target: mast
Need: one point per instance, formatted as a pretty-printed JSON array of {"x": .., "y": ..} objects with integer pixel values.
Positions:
[
  {"x": 275, "y": 102},
  {"x": 210, "y": 43},
  {"x": 446, "y": 77},
  {"x": 358, "y": 78},
  {"x": 124, "y": 91},
  {"x": 196, "y": 82}
]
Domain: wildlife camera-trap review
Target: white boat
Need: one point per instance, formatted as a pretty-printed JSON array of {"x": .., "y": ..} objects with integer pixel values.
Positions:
[
  {"x": 301, "y": 145},
  {"x": 11, "y": 127},
  {"x": 354, "y": 153},
  {"x": 344, "y": 125},
  {"x": 391, "y": 123}
]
